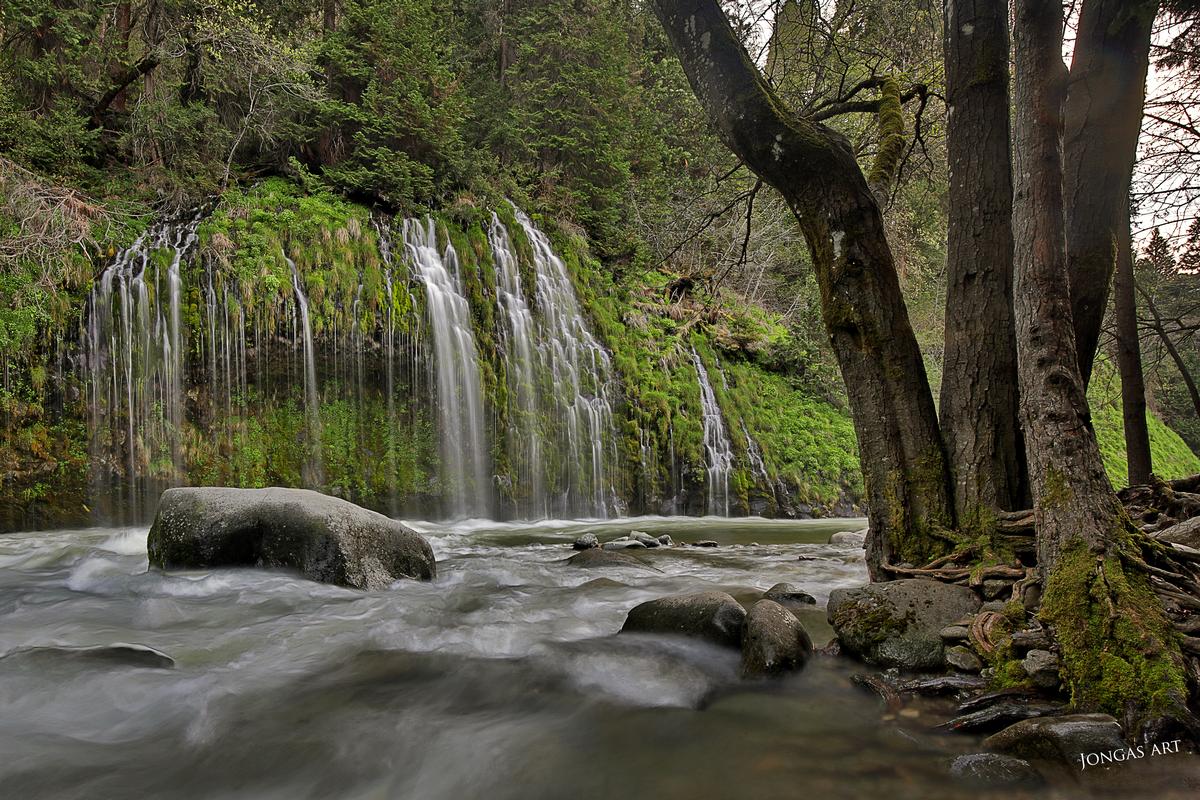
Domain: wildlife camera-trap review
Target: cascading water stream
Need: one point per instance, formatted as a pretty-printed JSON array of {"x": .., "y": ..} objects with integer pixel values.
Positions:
[
  {"x": 577, "y": 374},
  {"x": 135, "y": 357},
  {"x": 465, "y": 462},
  {"x": 312, "y": 400},
  {"x": 717, "y": 449}
]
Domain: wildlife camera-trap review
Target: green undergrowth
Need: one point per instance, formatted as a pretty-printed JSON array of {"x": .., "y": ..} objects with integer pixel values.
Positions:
[{"x": 1170, "y": 455}]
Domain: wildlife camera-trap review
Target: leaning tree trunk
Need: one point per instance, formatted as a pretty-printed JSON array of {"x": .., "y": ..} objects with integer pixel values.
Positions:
[
  {"x": 1119, "y": 651},
  {"x": 814, "y": 169},
  {"x": 979, "y": 380},
  {"x": 1103, "y": 120},
  {"x": 1129, "y": 364}
]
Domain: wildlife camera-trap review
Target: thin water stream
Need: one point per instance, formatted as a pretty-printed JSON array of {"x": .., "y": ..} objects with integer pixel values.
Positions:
[{"x": 500, "y": 679}]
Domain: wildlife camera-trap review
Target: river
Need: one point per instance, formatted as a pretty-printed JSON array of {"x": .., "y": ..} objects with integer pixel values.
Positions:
[{"x": 500, "y": 679}]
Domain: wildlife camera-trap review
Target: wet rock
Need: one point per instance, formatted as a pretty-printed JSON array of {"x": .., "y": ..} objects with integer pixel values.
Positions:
[
  {"x": 1031, "y": 597},
  {"x": 1186, "y": 533},
  {"x": 644, "y": 538},
  {"x": 1030, "y": 639},
  {"x": 1062, "y": 738},
  {"x": 998, "y": 716},
  {"x": 997, "y": 589},
  {"x": 789, "y": 595},
  {"x": 599, "y": 557},
  {"x": 704, "y": 543},
  {"x": 713, "y": 616},
  {"x": 963, "y": 659},
  {"x": 1042, "y": 668},
  {"x": 849, "y": 538},
  {"x": 774, "y": 642},
  {"x": 327, "y": 539},
  {"x": 114, "y": 655},
  {"x": 624, "y": 544},
  {"x": 586, "y": 542},
  {"x": 666, "y": 541},
  {"x": 955, "y": 633},
  {"x": 898, "y": 623},
  {"x": 995, "y": 770},
  {"x": 942, "y": 684}
]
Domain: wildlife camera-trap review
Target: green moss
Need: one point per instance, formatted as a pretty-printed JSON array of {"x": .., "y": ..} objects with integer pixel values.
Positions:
[{"x": 1117, "y": 646}]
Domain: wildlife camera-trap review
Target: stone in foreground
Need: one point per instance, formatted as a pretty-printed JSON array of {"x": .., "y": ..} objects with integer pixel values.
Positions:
[
  {"x": 1059, "y": 738},
  {"x": 774, "y": 642},
  {"x": 789, "y": 595},
  {"x": 994, "y": 770},
  {"x": 899, "y": 623},
  {"x": 327, "y": 539},
  {"x": 713, "y": 616}
]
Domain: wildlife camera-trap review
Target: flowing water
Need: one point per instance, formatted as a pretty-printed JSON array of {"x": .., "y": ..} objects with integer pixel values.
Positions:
[
  {"x": 717, "y": 449},
  {"x": 466, "y": 469},
  {"x": 500, "y": 679}
]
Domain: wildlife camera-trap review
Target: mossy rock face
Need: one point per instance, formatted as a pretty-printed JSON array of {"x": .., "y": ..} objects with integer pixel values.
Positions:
[
  {"x": 325, "y": 538},
  {"x": 899, "y": 623}
]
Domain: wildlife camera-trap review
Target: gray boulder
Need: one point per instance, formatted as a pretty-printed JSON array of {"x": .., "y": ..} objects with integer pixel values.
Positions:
[
  {"x": 849, "y": 538},
  {"x": 623, "y": 544},
  {"x": 586, "y": 542},
  {"x": 644, "y": 538},
  {"x": 899, "y": 623},
  {"x": 963, "y": 659},
  {"x": 1042, "y": 668},
  {"x": 774, "y": 642},
  {"x": 666, "y": 541},
  {"x": 713, "y": 616},
  {"x": 994, "y": 770},
  {"x": 1058, "y": 738},
  {"x": 1186, "y": 533},
  {"x": 789, "y": 595},
  {"x": 597, "y": 557},
  {"x": 325, "y": 538}
]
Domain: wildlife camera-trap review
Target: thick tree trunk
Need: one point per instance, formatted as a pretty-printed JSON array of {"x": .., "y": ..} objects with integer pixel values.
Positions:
[
  {"x": 1103, "y": 119},
  {"x": 979, "y": 380},
  {"x": 813, "y": 167},
  {"x": 1129, "y": 363},
  {"x": 1119, "y": 650}
]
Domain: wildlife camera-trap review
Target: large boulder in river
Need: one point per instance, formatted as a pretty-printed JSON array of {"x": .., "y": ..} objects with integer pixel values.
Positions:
[
  {"x": 1063, "y": 738},
  {"x": 327, "y": 539},
  {"x": 773, "y": 641},
  {"x": 713, "y": 616},
  {"x": 899, "y": 623}
]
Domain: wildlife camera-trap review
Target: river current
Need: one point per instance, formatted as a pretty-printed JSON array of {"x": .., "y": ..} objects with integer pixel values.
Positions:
[{"x": 500, "y": 679}]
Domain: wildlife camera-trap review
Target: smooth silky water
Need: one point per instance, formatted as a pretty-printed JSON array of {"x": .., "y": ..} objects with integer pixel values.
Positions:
[{"x": 501, "y": 679}]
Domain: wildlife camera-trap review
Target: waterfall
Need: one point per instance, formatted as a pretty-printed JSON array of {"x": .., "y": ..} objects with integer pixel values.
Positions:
[
  {"x": 465, "y": 461},
  {"x": 559, "y": 380},
  {"x": 134, "y": 345},
  {"x": 717, "y": 449},
  {"x": 315, "y": 476}
]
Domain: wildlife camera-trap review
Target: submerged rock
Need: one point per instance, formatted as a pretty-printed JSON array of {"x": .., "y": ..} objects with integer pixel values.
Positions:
[
  {"x": 623, "y": 544},
  {"x": 598, "y": 557},
  {"x": 789, "y": 595},
  {"x": 704, "y": 543},
  {"x": 773, "y": 641},
  {"x": 995, "y": 769},
  {"x": 713, "y": 616},
  {"x": 327, "y": 539},
  {"x": 1063, "y": 738},
  {"x": 113, "y": 655},
  {"x": 586, "y": 542},
  {"x": 899, "y": 623}
]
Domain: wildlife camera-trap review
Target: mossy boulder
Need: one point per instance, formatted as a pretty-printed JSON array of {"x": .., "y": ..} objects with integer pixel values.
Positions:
[
  {"x": 774, "y": 642},
  {"x": 713, "y": 616},
  {"x": 325, "y": 538},
  {"x": 899, "y": 623}
]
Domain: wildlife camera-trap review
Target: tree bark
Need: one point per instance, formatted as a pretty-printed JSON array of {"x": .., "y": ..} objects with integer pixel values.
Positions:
[
  {"x": 979, "y": 405},
  {"x": 814, "y": 169},
  {"x": 1118, "y": 649},
  {"x": 1103, "y": 120},
  {"x": 1129, "y": 364}
]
